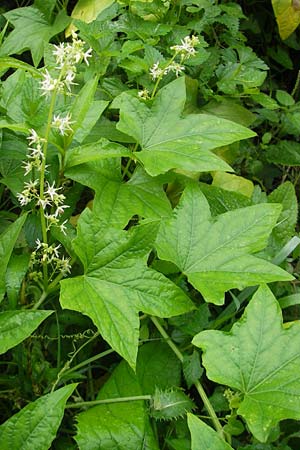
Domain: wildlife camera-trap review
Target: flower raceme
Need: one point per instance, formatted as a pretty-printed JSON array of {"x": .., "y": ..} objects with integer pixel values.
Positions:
[
  {"x": 38, "y": 191},
  {"x": 67, "y": 56}
]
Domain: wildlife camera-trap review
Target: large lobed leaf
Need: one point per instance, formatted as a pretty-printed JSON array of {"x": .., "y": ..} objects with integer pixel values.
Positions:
[
  {"x": 117, "y": 283},
  {"x": 216, "y": 254},
  {"x": 32, "y": 31},
  {"x": 116, "y": 201},
  {"x": 260, "y": 358},
  {"x": 170, "y": 141}
]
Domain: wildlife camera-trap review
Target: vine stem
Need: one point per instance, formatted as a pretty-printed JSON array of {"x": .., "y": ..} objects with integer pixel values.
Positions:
[
  {"x": 208, "y": 406},
  {"x": 109, "y": 400}
]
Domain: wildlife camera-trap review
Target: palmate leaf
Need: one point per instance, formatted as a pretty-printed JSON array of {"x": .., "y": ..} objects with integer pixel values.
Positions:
[
  {"x": 117, "y": 283},
  {"x": 169, "y": 141},
  {"x": 260, "y": 358},
  {"x": 35, "y": 426},
  {"x": 216, "y": 254},
  {"x": 32, "y": 31},
  {"x": 116, "y": 201}
]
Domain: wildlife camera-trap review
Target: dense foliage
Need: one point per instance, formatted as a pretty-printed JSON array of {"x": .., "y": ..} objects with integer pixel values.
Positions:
[{"x": 149, "y": 155}]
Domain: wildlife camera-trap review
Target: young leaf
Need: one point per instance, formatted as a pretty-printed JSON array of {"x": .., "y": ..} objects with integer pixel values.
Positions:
[
  {"x": 169, "y": 141},
  {"x": 260, "y": 358},
  {"x": 204, "y": 437},
  {"x": 120, "y": 426},
  {"x": 32, "y": 31},
  {"x": 7, "y": 243},
  {"x": 115, "y": 201},
  {"x": 15, "y": 326},
  {"x": 117, "y": 284},
  {"x": 35, "y": 426},
  {"x": 216, "y": 255}
]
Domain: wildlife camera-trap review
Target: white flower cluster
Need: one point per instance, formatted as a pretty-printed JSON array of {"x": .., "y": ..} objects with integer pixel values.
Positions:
[
  {"x": 67, "y": 56},
  {"x": 185, "y": 50},
  {"x": 52, "y": 201},
  {"x": 45, "y": 253},
  {"x": 187, "y": 47},
  {"x": 63, "y": 124},
  {"x": 35, "y": 155},
  {"x": 157, "y": 72}
]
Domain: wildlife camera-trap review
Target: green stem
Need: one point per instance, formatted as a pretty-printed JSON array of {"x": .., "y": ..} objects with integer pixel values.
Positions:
[
  {"x": 88, "y": 361},
  {"x": 160, "y": 76},
  {"x": 208, "y": 406},
  {"x": 40, "y": 301},
  {"x": 108, "y": 401},
  {"x": 296, "y": 84}
]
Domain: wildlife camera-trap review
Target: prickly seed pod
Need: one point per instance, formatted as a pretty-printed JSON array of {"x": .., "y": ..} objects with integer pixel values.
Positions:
[{"x": 170, "y": 404}]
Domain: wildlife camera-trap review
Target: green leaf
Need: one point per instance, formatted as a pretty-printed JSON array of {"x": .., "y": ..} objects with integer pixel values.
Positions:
[
  {"x": 284, "y": 98},
  {"x": 15, "y": 326},
  {"x": 231, "y": 110},
  {"x": 192, "y": 369},
  {"x": 117, "y": 284},
  {"x": 116, "y": 201},
  {"x": 169, "y": 141},
  {"x": 91, "y": 118},
  {"x": 13, "y": 63},
  {"x": 35, "y": 426},
  {"x": 157, "y": 366},
  {"x": 82, "y": 107},
  {"x": 32, "y": 31},
  {"x": 119, "y": 426},
  {"x": 16, "y": 271},
  {"x": 260, "y": 358},
  {"x": 13, "y": 126},
  {"x": 221, "y": 201},
  {"x": 234, "y": 183},
  {"x": 216, "y": 255},
  {"x": 286, "y": 195},
  {"x": 241, "y": 69},
  {"x": 204, "y": 437},
  {"x": 95, "y": 151},
  {"x": 7, "y": 243},
  {"x": 284, "y": 152}
]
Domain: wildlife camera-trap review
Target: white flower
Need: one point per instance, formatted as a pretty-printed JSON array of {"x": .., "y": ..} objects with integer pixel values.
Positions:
[
  {"x": 51, "y": 191},
  {"x": 23, "y": 198},
  {"x": 175, "y": 67},
  {"x": 186, "y": 49},
  {"x": 63, "y": 227},
  {"x": 49, "y": 84},
  {"x": 63, "y": 124},
  {"x": 34, "y": 138},
  {"x": 64, "y": 265},
  {"x": 156, "y": 71},
  {"x": 43, "y": 202}
]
